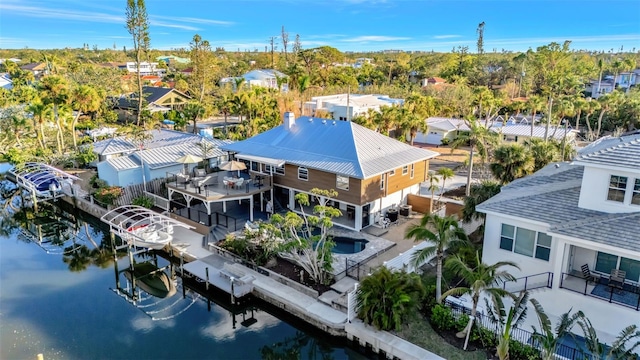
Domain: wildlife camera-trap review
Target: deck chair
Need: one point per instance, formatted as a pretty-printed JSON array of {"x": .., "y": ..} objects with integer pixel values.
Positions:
[{"x": 588, "y": 274}]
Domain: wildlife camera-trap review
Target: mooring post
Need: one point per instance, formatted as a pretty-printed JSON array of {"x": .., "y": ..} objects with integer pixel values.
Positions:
[
  {"x": 182, "y": 264},
  {"x": 233, "y": 298},
  {"x": 206, "y": 271}
]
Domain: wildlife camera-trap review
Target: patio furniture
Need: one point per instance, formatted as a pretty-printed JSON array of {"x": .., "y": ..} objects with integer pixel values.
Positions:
[
  {"x": 238, "y": 183},
  {"x": 616, "y": 280},
  {"x": 182, "y": 178},
  {"x": 208, "y": 180},
  {"x": 200, "y": 172},
  {"x": 589, "y": 275}
]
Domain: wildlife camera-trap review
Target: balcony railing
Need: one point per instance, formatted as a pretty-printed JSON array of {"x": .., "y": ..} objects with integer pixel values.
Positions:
[
  {"x": 627, "y": 294},
  {"x": 536, "y": 281}
]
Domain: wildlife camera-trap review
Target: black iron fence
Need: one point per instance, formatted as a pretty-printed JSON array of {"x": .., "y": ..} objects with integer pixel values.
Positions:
[
  {"x": 625, "y": 294},
  {"x": 536, "y": 281}
]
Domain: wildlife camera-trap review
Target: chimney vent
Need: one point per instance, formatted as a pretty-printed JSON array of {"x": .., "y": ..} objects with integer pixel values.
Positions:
[{"x": 289, "y": 120}]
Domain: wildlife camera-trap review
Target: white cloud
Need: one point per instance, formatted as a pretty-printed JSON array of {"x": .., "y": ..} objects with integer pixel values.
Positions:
[
  {"x": 375, "y": 38},
  {"x": 192, "y": 20}
]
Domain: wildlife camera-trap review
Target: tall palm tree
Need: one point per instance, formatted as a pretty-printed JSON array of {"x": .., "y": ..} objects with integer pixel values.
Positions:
[
  {"x": 445, "y": 174},
  {"x": 547, "y": 338},
  {"x": 54, "y": 90},
  {"x": 85, "y": 99},
  {"x": 40, "y": 111},
  {"x": 447, "y": 232},
  {"x": 579, "y": 105},
  {"x": 385, "y": 298},
  {"x": 479, "y": 138},
  {"x": 507, "y": 320},
  {"x": 480, "y": 279},
  {"x": 563, "y": 106},
  {"x": 192, "y": 111},
  {"x": 510, "y": 162},
  {"x": 224, "y": 104},
  {"x": 608, "y": 102},
  {"x": 591, "y": 108}
]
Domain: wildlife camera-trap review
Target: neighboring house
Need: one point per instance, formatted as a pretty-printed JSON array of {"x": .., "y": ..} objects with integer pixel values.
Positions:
[
  {"x": 146, "y": 68},
  {"x": 370, "y": 171},
  {"x": 38, "y": 69},
  {"x": 432, "y": 81},
  {"x": 265, "y": 78},
  {"x": 597, "y": 88},
  {"x": 5, "y": 82},
  {"x": 172, "y": 59},
  {"x": 348, "y": 106},
  {"x": 573, "y": 215},
  {"x": 120, "y": 163},
  {"x": 361, "y": 61},
  {"x": 628, "y": 79},
  {"x": 13, "y": 60},
  {"x": 447, "y": 129},
  {"x": 155, "y": 99}
]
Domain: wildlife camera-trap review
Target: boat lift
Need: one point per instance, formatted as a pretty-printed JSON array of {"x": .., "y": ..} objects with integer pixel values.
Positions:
[{"x": 42, "y": 181}]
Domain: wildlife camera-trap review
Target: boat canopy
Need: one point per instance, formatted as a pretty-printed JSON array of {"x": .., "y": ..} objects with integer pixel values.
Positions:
[
  {"x": 39, "y": 177},
  {"x": 126, "y": 218}
]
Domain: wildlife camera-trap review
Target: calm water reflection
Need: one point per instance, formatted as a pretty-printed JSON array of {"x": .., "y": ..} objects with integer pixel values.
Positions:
[{"x": 57, "y": 298}]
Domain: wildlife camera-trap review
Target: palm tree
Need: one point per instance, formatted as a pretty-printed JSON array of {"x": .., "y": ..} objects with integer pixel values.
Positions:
[
  {"x": 40, "y": 111},
  {"x": 511, "y": 161},
  {"x": 579, "y": 105},
  {"x": 385, "y": 298},
  {"x": 225, "y": 104},
  {"x": 479, "y": 138},
  {"x": 548, "y": 339},
  {"x": 447, "y": 233},
  {"x": 192, "y": 111},
  {"x": 84, "y": 99},
  {"x": 55, "y": 90},
  {"x": 608, "y": 102},
  {"x": 480, "y": 279},
  {"x": 479, "y": 194},
  {"x": 445, "y": 174},
  {"x": 591, "y": 108},
  {"x": 506, "y": 321},
  {"x": 542, "y": 152},
  {"x": 433, "y": 186},
  {"x": 536, "y": 104},
  {"x": 618, "y": 349}
]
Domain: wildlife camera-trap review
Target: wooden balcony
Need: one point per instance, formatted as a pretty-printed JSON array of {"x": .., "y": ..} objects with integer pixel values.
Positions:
[{"x": 212, "y": 188}]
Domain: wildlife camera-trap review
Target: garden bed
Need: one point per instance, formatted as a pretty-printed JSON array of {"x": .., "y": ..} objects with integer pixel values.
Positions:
[{"x": 292, "y": 271}]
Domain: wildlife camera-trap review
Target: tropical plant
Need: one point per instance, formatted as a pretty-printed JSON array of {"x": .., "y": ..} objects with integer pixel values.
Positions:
[
  {"x": 385, "y": 298},
  {"x": 301, "y": 245},
  {"x": 445, "y": 174},
  {"x": 54, "y": 90},
  {"x": 546, "y": 338},
  {"x": 433, "y": 186},
  {"x": 138, "y": 26},
  {"x": 506, "y": 320},
  {"x": 595, "y": 350},
  {"x": 144, "y": 201},
  {"x": 447, "y": 232},
  {"x": 479, "y": 194},
  {"x": 480, "y": 279},
  {"x": 84, "y": 99},
  {"x": 542, "y": 152},
  {"x": 510, "y": 162}
]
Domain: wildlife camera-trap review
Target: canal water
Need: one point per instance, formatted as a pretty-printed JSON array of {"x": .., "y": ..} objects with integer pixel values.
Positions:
[{"x": 63, "y": 295}]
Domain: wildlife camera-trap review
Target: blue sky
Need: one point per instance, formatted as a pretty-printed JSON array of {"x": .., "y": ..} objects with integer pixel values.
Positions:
[{"x": 349, "y": 25}]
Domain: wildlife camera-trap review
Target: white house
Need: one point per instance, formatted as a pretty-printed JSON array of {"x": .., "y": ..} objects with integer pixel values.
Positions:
[
  {"x": 146, "y": 68},
  {"x": 5, "y": 81},
  {"x": 361, "y": 61},
  {"x": 597, "y": 88},
  {"x": 570, "y": 216},
  {"x": 348, "y": 106},
  {"x": 267, "y": 78},
  {"x": 121, "y": 163}
]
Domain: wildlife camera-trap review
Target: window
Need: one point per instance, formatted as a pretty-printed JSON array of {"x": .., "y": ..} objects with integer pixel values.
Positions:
[
  {"x": 405, "y": 170},
  {"x": 506, "y": 240},
  {"x": 412, "y": 171},
  {"x": 382, "y": 182},
  {"x": 392, "y": 172},
  {"x": 303, "y": 173},
  {"x": 632, "y": 267},
  {"x": 342, "y": 182},
  {"x": 606, "y": 262},
  {"x": 276, "y": 170},
  {"x": 525, "y": 242},
  {"x": 543, "y": 247},
  {"x": 635, "y": 197},
  {"x": 617, "y": 188}
]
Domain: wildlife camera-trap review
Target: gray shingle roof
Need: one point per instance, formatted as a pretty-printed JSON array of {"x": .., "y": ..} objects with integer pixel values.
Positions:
[
  {"x": 551, "y": 196},
  {"x": 621, "y": 151},
  {"x": 340, "y": 147},
  {"x": 151, "y": 95}
]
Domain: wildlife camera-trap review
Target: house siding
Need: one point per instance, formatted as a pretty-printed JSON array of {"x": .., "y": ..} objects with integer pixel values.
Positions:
[
  {"x": 595, "y": 187},
  {"x": 321, "y": 180}
]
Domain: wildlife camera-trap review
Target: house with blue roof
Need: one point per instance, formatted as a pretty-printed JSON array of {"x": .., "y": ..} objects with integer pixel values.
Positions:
[
  {"x": 122, "y": 163},
  {"x": 371, "y": 172},
  {"x": 574, "y": 230}
]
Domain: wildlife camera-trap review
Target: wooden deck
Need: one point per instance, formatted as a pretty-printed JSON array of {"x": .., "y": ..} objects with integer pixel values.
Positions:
[{"x": 218, "y": 192}]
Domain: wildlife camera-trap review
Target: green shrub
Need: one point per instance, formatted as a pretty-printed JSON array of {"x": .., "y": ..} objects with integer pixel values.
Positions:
[
  {"x": 85, "y": 155},
  {"x": 108, "y": 195},
  {"x": 143, "y": 201},
  {"x": 429, "y": 301},
  {"x": 484, "y": 336},
  {"x": 461, "y": 322},
  {"x": 442, "y": 318},
  {"x": 519, "y": 351}
]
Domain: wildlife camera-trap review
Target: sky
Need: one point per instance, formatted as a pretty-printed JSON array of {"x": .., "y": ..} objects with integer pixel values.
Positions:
[{"x": 348, "y": 25}]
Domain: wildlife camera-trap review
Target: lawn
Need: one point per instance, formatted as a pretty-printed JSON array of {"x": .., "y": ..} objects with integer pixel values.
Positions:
[{"x": 418, "y": 331}]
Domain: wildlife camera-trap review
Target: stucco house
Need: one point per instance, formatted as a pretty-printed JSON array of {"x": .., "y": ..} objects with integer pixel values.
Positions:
[
  {"x": 267, "y": 78},
  {"x": 370, "y": 171},
  {"x": 122, "y": 163},
  {"x": 347, "y": 106},
  {"x": 574, "y": 227}
]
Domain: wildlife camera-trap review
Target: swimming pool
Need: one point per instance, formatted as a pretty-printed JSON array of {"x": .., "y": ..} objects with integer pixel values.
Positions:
[{"x": 347, "y": 245}]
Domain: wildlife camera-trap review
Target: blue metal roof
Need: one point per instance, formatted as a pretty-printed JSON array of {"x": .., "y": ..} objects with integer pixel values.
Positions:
[{"x": 339, "y": 147}]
